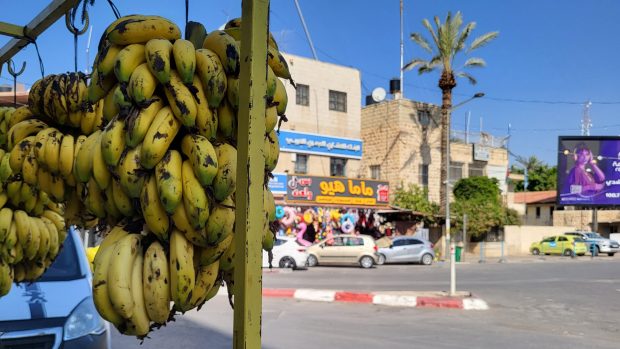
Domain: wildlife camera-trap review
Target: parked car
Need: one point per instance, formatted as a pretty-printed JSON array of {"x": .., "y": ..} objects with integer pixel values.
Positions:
[
  {"x": 560, "y": 244},
  {"x": 344, "y": 249},
  {"x": 287, "y": 253},
  {"x": 57, "y": 311},
  {"x": 601, "y": 244},
  {"x": 407, "y": 249}
]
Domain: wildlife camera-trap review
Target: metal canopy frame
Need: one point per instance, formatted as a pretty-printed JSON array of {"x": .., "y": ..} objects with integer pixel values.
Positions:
[{"x": 22, "y": 36}]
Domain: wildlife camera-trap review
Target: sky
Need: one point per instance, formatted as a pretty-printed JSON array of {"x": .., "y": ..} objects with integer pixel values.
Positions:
[{"x": 551, "y": 56}]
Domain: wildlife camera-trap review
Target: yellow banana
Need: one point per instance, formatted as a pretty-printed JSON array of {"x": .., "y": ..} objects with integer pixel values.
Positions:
[
  {"x": 52, "y": 151},
  {"x": 127, "y": 60},
  {"x": 101, "y": 297},
  {"x": 101, "y": 174},
  {"x": 272, "y": 84},
  {"x": 24, "y": 129},
  {"x": 181, "y": 100},
  {"x": 6, "y": 277},
  {"x": 280, "y": 98},
  {"x": 20, "y": 114},
  {"x": 54, "y": 243},
  {"x": 226, "y": 121},
  {"x": 94, "y": 199},
  {"x": 182, "y": 273},
  {"x": 228, "y": 257},
  {"x": 155, "y": 278},
  {"x": 139, "y": 321},
  {"x": 206, "y": 278},
  {"x": 119, "y": 276},
  {"x": 28, "y": 196},
  {"x": 59, "y": 222},
  {"x": 39, "y": 144},
  {"x": 44, "y": 247},
  {"x": 65, "y": 161},
  {"x": 30, "y": 167},
  {"x": 184, "y": 54},
  {"x": 158, "y": 138},
  {"x": 83, "y": 167},
  {"x": 153, "y": 211},
  {"x": 122, "y": 202},
  {"x": 110, "y": 106},
  {"x": 169, "y": 180},
  {"x": 232, "y": 92},
  {"x": 88, "y": 118},
  {"x": 210, "y": 254},
  {"x": 138, "y": 123},
  {"x": 140, "y": 30},
  {"x": 158, "y": 55},
  {"x": 194, "y": 198},
  {"x": 278, "y": 63},
  {"x": 272, "y": 150},
  {"x": 113, "y": 141},
  {"x": 225, "y": 181},
  {"x": 75, "y": 90},
  {"x": 142, "y": 84},
  {"x": 13, "y": 192},
  {"x": 106, "y": 58},
  {"x": 211, "y": 72},
  {"x": 202, "y": 156},
  {"x": 226, "y": 48},
  {"x": 221, "y": 222},
  {"x": 206, "y": 120},
  {"x": 44, "y": 180},
  {"x": 6, "y": 220},
  {"x": 271, "y": 118},
  {"x": 27, "y": 235},
  {"x": 122, "y": 100},
  {"x": 131, "y": 174},
  {"x": 233, "y": 28},
  {"x": 37, "y": 93},
  {"x": 181, "y": 223},
  {"x": 19, "y": 153},
  {"x": 5, "y": 167},
  {"x": 99, "y": 86}
]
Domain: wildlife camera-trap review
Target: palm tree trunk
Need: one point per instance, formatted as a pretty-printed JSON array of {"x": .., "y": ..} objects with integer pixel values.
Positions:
[{"x": 446, "y": 84}]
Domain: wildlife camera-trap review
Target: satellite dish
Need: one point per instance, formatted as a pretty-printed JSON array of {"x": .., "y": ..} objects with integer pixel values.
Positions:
[{"x": 378, "y": 94}]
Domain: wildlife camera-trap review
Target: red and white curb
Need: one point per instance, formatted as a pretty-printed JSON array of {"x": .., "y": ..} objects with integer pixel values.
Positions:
[{"x": 394, "y": 299}]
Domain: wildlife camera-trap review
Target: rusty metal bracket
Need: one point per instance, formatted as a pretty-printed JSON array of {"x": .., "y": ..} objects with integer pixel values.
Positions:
[{"x": 11, "y": 69}]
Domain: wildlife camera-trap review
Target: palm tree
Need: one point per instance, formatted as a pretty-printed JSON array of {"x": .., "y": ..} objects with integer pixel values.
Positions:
[{"x": 449, "y": 40}]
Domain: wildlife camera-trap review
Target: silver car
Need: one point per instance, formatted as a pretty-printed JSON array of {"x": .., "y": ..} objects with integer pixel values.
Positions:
[{"x": 406, "y": 249}]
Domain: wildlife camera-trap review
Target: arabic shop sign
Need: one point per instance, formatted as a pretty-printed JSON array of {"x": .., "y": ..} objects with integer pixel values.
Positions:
[
  {"x": 308, "y": 143},
  {"x": 277, "y": 184},
  {"x": 336, "y": 190}
]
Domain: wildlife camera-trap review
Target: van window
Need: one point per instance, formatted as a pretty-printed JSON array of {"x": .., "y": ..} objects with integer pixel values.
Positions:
[{"x": 66, "y": 266}]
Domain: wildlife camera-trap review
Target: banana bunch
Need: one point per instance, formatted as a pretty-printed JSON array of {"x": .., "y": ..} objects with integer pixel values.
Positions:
[{"x": 59, "y": 98}]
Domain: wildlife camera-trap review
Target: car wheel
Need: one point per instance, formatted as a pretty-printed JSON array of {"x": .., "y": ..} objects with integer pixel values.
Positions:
[
  {"x": 381, "y": 259},
  {"x": 427, "y": 259},
  {"x": 611, "y": 254},
  {"x": 568, "y": 252},
  {"x": 535, "y": 252},
  {"x": 287, "y": 262},
  {"x": 312, "y": 261},
  {"x": 597, "y": 250},
  {"x": 367, "y": 262}
]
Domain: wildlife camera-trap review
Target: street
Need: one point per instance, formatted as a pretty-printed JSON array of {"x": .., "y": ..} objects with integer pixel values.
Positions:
[{"x": 534, "y": 303}]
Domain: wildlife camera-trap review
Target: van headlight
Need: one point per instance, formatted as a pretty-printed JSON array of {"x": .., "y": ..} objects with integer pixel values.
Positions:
[{"x": 84, "y": 320}]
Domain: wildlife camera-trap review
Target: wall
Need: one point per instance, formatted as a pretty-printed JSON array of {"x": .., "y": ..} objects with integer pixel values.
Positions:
[
  {"x": 519, "y": 238},
  {"x": 608, "y": 220},
  {"x": 545, "y": 217}
]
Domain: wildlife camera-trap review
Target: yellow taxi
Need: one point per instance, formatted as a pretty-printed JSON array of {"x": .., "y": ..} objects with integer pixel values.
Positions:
[{"x": 560, "y": 244}]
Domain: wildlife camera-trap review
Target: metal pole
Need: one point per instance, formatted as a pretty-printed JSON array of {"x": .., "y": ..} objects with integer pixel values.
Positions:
[
  {"x": 303, "y": 23},
  {"x": 448, "y": 238},
  {"x": 402, "y": 52},
  {"x": 249, "y": 193},
  {"x": 481, "y": 252},
  {"x": 595, "y": 220},
  {"x": 502, "y": 259},
  {"x": 467, "y": 118},
  {"x": 464, "y": 252}
]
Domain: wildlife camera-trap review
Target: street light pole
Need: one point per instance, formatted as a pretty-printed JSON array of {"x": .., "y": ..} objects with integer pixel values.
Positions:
[{"x": 450, "y": 241}]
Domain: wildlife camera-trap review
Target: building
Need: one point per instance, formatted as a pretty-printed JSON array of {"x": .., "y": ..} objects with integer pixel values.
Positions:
[
  {"x": 7, "y": 98},
  {"x": 402, "y": 145},
  {"x": 535, "y": 208}
]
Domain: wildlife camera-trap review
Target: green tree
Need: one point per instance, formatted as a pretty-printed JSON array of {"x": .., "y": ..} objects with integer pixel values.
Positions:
[
  {"x": 480, "y": 199},
  {"x": 416, "y": 198},
  {"x": 449, "y": 39},
  {"x": 540, "y": 176}
]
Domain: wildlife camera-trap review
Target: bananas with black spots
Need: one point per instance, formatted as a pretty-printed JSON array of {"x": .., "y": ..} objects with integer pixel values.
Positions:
[
  {"x": 83, "y": 164},
  {"x": 94, "y": 200},
  {"x": 101, "y": 297},
  {"x": 24, "y": 129},
  {"x": 278, "y": 63},
  {"x": 206, "y": 277},
  {"x": 272, "y": 150},
  {"x": 280, "y": 98},
  {"x": 106, "y": 58},
  {"x": 153, "y": 211},
  {"x": 52, "y": 151},
  {"x": 6, "y": 277},
  {"x": 113, "y": 141},
  {"x": 30, "y": 168},
  {"x": 196, "y": 33},
  {"x": 226, "y": 121},
  {"x": 184, "y": 54},
  {"x": 141, "y": 29},
  {"x": 121, "y": 200},
  {"x": 271, "y": 118},
  {"x": 202, "y": 156},
  {"x": 206, "y": 119},
  {"x": 101, "y": 174},
  {"x": 131, "y": 174},
  {"x": 119, "y": 279},
  {"x": 20, "y": 114},
  {"x": 225, "y": 181},
  {"x": 180, "y": 218},
  {"x": 65, "y": 161},
  {"x": 158, "y": 138},
  {"x": 182, "y": 273},
  {"x": 181, "y": 100},
  {"x": 138, "y": 123},
  {"x": 226, "y": 48},
  {"x": 221, "y": 221},
  {"x": 158, "y": 56},
  {"x": 130, "y": 57},
  {"x": 194, "y": 198},
  {"x": 17, "y": 155},
  {"x": 142, "y": 84},
  {"x": 169, "y": 180},
  {"x": 99, "y": 86},
  {"x": 211, "y": 72},
  {"x": 139, "y": 323},
  {"x": 156, "y": 283},
  {"x": 6, "y": 220}
]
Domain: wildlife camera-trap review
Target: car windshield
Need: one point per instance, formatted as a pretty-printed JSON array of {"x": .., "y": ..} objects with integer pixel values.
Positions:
[
  {"x": 593, "y": 235},
  {"x": 579, "y": 240},
  {"x": 66, "y": 266}
]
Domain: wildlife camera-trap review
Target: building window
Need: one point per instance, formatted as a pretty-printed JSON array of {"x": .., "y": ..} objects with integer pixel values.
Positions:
[
  {"x": 476, "y": 169},
  {"x": 456, "y": 171},
  {"x": 375, "y": 171},
  {"x": 337, "y": 167},
  {"x": 301, "y": 164},
  {"x": 537, "y": 212},
  {"x": 423, "y": 180},
  {"x": 302, "y": 95},
  {"x": 551, "y": 211},
  {"x": 337, "y": 101}
]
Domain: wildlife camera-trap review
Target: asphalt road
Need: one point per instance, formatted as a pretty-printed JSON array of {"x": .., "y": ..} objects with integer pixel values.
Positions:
[{"x": 555, "y": 303}]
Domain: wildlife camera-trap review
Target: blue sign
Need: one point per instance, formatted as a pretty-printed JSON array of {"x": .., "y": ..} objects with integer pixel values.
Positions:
[
  {"x": 277, "y": 184},
  {"x": 309, "y": 143}
]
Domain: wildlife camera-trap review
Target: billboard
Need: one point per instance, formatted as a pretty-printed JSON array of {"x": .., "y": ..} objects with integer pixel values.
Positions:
[
  {"x": 310, "y": 143},
  {"x": 336, "y": 191},
  {"x": 588, "y": 171}
]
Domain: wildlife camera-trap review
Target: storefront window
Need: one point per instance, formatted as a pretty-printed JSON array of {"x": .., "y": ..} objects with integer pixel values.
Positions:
[
  {"x": 301, "y": 164},
  {"x": 337, "y": 167}
]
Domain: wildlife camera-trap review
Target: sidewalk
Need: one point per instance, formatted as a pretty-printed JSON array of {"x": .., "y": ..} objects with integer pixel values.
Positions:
[{"x": 409, "y": 299}]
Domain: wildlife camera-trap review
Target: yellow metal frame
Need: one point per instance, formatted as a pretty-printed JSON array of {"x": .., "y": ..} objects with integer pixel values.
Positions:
[{"x": 250, "y": 175}]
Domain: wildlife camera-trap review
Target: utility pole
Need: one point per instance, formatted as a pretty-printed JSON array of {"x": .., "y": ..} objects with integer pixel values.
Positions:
[
  {"x": 586, "y": 124},
  {"x": 402, "y": 52}
]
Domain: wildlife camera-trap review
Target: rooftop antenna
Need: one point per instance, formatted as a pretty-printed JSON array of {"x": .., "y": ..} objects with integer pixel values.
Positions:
[{"x": 586, "y": 121}]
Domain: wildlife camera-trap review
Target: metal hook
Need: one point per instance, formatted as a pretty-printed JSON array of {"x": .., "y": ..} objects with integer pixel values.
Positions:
[
  {"x": 11, "y": 68},
  {"x": 71, "y": 23}
]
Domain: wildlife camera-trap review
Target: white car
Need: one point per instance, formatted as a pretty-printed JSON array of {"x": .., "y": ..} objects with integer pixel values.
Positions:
[{"x": 287, "y": 253}]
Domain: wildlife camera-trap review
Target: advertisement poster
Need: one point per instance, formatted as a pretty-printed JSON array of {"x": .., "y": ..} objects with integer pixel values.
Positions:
[
  {"x": 589, "y": 171},
  {"x": 337, "y": 191}
]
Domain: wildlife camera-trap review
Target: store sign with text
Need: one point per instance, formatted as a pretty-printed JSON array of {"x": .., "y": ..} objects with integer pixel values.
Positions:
[
  {"x": 336, "y": 191},
  {"x": 277, "y": 183},
  {"x": 308, "y": 143}
]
